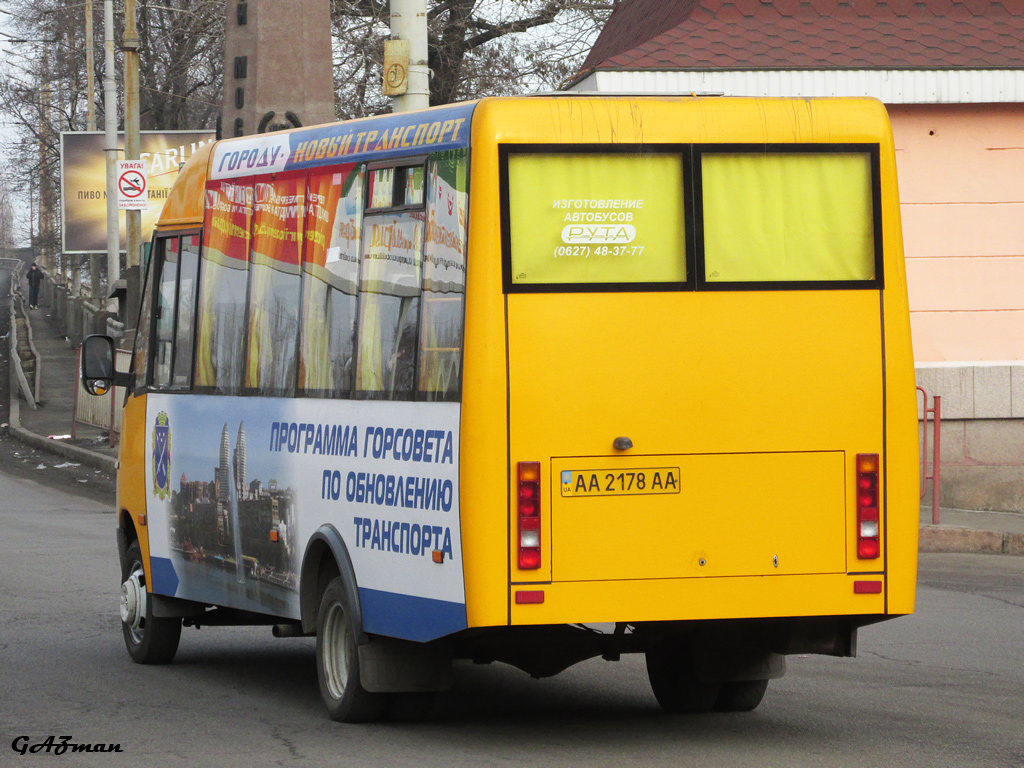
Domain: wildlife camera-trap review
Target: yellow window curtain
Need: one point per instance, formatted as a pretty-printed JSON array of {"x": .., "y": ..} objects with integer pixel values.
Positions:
[
  {"x": 593, "y": 218},
  {"x": 787, "y": 217}
]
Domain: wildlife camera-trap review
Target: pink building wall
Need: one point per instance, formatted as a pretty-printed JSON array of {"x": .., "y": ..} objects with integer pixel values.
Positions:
[{"x": 961, "y": 177}]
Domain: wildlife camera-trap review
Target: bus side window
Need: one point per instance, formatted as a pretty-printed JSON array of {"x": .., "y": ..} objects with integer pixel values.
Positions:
[
  {"x": 396, "y": 187},
  {"x": 184, "y": 339},
  {"x": 140, "y": 357},
  {"x": 330, "y": 282},
  {"x": 441, "y": 346},
  {"x": 444, "y": 278},
  {"x": 389, "y": 296},
  {"x": 274, "y": 286},
  {"x": 224, "y": 270},
  {"x": 163, "y": 320}
]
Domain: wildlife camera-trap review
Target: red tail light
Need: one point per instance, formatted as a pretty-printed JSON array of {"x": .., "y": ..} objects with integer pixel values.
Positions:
[
  {"x": 528, "y": 509},
  {"x": 868, "y": 533}
]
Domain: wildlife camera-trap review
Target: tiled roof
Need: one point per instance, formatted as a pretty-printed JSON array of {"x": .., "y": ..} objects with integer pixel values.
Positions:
[{"x": 813, "y": 34}]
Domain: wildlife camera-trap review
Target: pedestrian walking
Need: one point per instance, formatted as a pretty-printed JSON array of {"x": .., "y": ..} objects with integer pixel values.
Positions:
[{"x": 34, "y": 277}]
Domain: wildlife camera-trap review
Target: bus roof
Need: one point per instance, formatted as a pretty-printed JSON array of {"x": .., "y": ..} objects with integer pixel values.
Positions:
[
  {"x": 378, "y": 138},
  {"x": 410, "y": 134}
]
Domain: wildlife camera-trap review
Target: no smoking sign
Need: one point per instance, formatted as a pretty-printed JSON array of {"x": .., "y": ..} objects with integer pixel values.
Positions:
[{"x": 132, "y": 185}]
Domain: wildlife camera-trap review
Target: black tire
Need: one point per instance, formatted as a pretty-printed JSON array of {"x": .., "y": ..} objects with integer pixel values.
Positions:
[
  {"x": 149, "y": 639},
  {"x": 410, "y": 707},
  {"x": 740, "y": 695},
  {"x": 337, "y": 662},
  {"x": 672, "y": 672}
]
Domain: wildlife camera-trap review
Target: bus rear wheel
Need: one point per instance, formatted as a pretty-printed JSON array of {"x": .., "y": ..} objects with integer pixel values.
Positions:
[
  {"x": 740, "y": 695},
  {"x": 675, "y": 682},
  {"x": 149, "y": 639},
  {"x": 337, "y": 662}
]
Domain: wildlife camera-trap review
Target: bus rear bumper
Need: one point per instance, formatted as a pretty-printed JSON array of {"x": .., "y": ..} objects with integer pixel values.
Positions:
[{"x": 695, "y": 599}]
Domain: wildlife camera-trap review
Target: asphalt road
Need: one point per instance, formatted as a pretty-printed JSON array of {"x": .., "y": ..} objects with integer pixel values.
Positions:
[{"x": 944, "y": 687}]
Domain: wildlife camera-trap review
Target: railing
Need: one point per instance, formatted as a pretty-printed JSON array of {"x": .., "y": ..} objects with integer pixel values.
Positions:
[
  {"x": 18, "y": 380},
  {"x": 30, "y": 391},
  {"x": 935, "y": 412},
  {"x": 115, "y": 328},
  {"x": 103, "y": 411}
]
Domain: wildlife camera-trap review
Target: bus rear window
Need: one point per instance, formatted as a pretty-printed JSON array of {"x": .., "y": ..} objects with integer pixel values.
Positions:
[
  {"x": 593, "y": 220},
  {"x": 787, "y": 217}
]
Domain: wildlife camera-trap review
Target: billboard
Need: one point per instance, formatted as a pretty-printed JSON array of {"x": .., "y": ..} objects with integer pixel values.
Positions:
[{"x": 84, "y": 182}]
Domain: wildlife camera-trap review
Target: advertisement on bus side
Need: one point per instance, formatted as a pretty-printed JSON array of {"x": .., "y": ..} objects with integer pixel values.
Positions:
[{"x": 236, "y": 487}]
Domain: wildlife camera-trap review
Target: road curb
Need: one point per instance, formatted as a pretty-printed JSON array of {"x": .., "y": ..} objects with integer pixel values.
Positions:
[
  {"x": 948, "y": 538},
  {"x": 98, "y": 461}
]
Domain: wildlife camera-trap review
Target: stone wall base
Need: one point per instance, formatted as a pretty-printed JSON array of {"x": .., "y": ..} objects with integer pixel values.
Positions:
[{"x": 982, "y": 465}]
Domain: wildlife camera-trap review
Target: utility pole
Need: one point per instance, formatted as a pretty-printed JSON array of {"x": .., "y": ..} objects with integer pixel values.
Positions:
[
  {"x": 133, "y": 218},
  {"x": 110, "y": 125},
  {"x": 90, "y": 86},
  {"x": 407, "y": 56}
]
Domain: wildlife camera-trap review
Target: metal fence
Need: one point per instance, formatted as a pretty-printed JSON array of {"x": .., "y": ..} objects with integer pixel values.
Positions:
[{"x": 932, "y": 415}]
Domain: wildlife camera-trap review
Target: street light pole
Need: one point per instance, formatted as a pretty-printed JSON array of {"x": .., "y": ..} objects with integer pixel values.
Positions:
[
  {"x": 43, "y": 244},
  {"x": 132, "y": 150},
  {"x": 90, "y": 125},
  {"x": 110, "y": 125}
]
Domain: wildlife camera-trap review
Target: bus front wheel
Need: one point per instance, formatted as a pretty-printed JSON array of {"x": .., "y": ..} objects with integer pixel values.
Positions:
[
  {"x": 149, "y": 639},
  {"x": 337, "y": 662}
]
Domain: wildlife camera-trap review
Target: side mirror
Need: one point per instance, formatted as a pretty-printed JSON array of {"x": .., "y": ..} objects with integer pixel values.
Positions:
[{"x": 97, "y": 364}]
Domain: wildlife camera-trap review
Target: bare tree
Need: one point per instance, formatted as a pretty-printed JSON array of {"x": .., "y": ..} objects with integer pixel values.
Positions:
[
  {"x": 35, "y": 98},
  {"x": 43, "y": 86},
  {"x": 181, "y": 51},
  {"x": 476, "y": 47},
  {"x": 8, "y": 236}
]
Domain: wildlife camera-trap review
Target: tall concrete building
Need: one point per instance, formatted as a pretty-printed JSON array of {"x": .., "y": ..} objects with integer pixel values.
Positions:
[
  {"x": 240, "y": 484},
  {"x": 277, "y": 66},
  {"x": 222, "y": 475}
]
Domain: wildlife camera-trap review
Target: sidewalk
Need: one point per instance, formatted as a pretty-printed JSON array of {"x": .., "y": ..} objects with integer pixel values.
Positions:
[
  {"x": 959, "y": 531},
  {"x": 52, "y": 418},
  {"x": 963, "y": 530}
]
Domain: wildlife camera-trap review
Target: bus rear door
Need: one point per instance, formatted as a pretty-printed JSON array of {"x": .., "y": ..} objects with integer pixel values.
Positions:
[{"x": 694, "y": 372}]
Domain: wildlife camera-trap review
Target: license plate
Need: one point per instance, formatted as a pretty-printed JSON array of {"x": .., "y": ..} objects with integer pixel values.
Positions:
[{"x": 632, "y": 482}]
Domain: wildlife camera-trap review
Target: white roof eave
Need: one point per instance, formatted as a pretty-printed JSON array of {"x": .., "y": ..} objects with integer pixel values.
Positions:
[{"x": 891, "y": 86}]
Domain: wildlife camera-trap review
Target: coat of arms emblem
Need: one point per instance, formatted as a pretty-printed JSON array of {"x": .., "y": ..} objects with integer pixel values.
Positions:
[{"x": 162, "y": 456}]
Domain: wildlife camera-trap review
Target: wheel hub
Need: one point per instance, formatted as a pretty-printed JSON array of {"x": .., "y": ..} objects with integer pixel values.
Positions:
[
  {"x": 133, "y": 600},
  {"x": 336, "y": 661}
]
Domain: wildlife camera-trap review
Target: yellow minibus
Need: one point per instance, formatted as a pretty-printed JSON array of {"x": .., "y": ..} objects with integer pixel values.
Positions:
[{"x": 529, "y": 380}]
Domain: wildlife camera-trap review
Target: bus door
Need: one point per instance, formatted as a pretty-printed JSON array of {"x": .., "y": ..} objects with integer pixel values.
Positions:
[{"x": 694, "y": 358}]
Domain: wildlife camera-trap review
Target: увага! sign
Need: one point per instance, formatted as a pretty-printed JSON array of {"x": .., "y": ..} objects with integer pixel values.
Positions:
[{"x": 84, "y": 182}]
